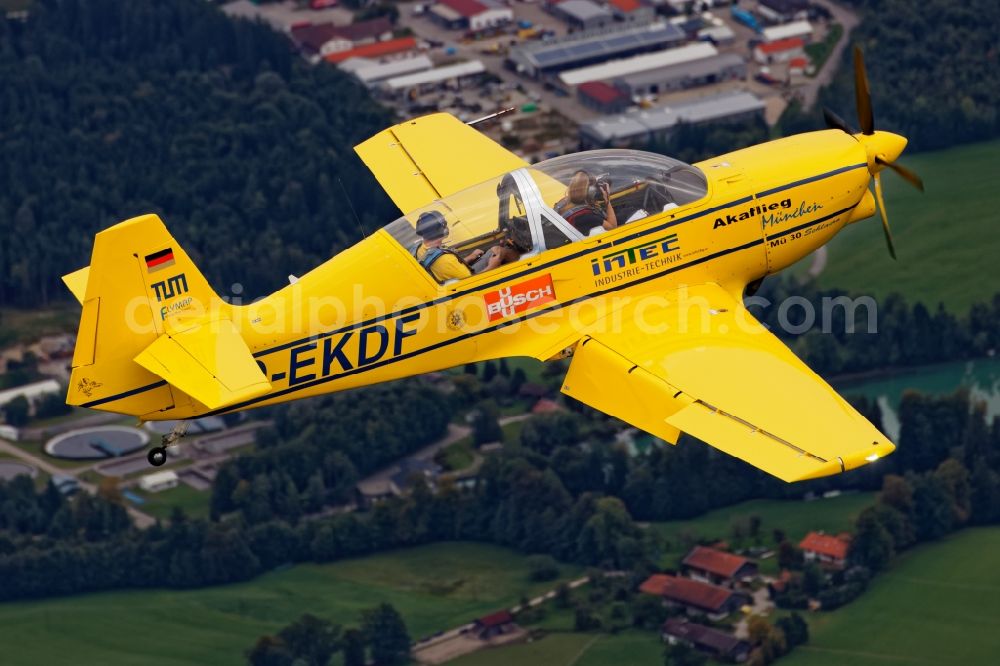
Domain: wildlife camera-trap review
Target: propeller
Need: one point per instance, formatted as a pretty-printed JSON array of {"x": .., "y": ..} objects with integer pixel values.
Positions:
[{"x": 882, "y": 147}]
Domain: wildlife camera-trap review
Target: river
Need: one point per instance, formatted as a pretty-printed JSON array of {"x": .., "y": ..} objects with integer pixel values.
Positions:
[{"x": 981, "y": 377}]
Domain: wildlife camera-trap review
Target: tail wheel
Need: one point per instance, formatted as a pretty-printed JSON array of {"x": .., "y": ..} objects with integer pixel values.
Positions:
[{"x": 157, "y": 456}]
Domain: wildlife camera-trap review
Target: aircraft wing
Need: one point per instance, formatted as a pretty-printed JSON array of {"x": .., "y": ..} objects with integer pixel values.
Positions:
[
  {"x": 698, "y": 362},
  {"x": 431, "y": 157},
  {"x": 209, "y": 361}
]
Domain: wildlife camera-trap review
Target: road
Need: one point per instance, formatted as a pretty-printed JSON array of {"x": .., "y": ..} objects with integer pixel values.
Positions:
[
  {"x": 139, "y": 519},
  {"x": 849, "y": 20}
]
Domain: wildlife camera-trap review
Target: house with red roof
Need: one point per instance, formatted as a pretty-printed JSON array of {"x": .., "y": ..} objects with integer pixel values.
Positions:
[
  {"x": 376, "y": 50},
  {"x": 717, "y": 566},
  {"x": 695, "y": 597},
  {"x": 825, "y": 548},
  {"x": 631, "y": 11},
  {"x": 602, "y": 97},
  {"x": 782, "y": 50},
  {"x": 472, "y": 15},
  {"x": 494, "y": 624}
]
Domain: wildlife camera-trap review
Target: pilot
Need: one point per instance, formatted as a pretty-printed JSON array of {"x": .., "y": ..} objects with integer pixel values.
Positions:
[
  {"x": 579, "y": 207},
  {"x": 444, "y": 264}
]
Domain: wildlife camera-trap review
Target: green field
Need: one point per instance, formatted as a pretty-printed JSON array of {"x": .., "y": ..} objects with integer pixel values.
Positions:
[
  {"x": 435, "y": 587},
  {"x": 195, "y": 503},
  {"x": 946, "y": 239},
  {"x": 629, "y": 648},
  {"x": 937, "y": 605},
  {"x": 794, "y": 517}
]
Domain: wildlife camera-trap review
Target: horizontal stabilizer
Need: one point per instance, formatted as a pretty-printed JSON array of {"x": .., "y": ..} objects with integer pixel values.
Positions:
[
  {"x": 209, "y": 361},
  {"x": 77, "y": 282}
]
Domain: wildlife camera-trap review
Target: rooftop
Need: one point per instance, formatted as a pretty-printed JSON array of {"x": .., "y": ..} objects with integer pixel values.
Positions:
[
  {"x": 781, "y": 45},
  {"x": 466, "y": 8},
  {"x": 495, "y": 619},
  {"x": 706, "y": 109},
  {"x": 435, "y": 75},
  {"x": 600, "y": 91},
  {"x": 825, "y": 544},
  {"x": 701, "y": 635},
  {"x": 715, "y": 561},
  {"x": 626, "y": 6},
  {"x": 378, "y": 49},
  {"x": 693, "y": 69},
  {"x": 604, "y": 43},
  {"x": 639, "y": 63},
  {"x": 793, "y": 29},
  {"x": 686, "y": 591},
  {"x": 583, "y": 10}
]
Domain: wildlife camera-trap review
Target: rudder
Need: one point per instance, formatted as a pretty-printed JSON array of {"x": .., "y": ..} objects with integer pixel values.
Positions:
[{"x": 139, "y": 284}]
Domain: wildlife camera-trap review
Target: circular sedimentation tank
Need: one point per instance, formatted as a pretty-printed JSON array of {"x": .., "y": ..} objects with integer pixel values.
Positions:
[{"x": 97, "y": 443}]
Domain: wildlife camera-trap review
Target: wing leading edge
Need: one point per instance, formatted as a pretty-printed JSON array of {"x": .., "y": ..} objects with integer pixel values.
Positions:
[{"x": 698, "y": 362}]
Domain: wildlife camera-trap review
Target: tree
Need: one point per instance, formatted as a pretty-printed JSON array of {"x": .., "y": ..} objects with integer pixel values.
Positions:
[
  {"x": 796, "y": 630},
  {"x": 486, "y": 424},
  {"x": 769, "y": 639},
  {"x": 386, "y": 633},
  {"x": 682, "y": 654},
  {"x": 311, "y": 639},
  {"x": 872, "y": 544},
  {"x": 16, "y": 411},
  {"x": 353, "y": 646},
  {"x": 789, "y": 556},
  {"x": 542, "y": 568},
  {"x": 269, "y": 651}
]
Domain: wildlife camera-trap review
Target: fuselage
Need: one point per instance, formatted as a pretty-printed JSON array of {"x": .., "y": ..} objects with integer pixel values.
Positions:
[{"x": 372, "y": 313}]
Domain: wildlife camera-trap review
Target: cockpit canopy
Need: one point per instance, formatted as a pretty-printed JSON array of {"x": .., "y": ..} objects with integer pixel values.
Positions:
[{"x": 535, "y": 209}]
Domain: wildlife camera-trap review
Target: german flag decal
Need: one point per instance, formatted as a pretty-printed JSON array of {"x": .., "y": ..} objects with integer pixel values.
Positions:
[{"x": 159, "y": 260}]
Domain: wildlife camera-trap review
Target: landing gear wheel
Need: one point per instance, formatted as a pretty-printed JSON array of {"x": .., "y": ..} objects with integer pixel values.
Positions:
[{"x": 157, "y": 456}]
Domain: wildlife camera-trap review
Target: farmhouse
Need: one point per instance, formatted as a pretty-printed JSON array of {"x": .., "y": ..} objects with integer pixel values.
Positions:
[
  {"x": 716, "y": 566},
  {"x": 494, "y": 624},
  {"x": 825, "y": 549},
  {"x": 694, "y": 596},
  {"x": 715, "y": 643}
]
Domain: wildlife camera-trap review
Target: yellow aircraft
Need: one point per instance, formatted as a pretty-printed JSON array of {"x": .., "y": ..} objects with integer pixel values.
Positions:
[{"x": 647, "y": 302}]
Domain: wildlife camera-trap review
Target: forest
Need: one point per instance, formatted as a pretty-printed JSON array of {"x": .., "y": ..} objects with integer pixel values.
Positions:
[
  {"x": 114, "y": 109},
  {"x": 933, "y": 71}
]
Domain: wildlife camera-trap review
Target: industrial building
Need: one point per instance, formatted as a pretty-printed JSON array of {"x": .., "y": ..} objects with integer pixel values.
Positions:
[
  {"x": 453, "y": 76},
  {"x": 639, "y": 128},
  {"x": 706, "y": 71},
  {"x": 546, "y": 59},
  {"x": 780, "y": 51},
  {"x": 603, "y": 97},
  {"x": 631, "y": 11},
  {"x": 583, "y": 14},
  {"x": 370, "y": 72},
  {"x": 799, "y": 29},
  {"x": 641, "y": 63},
  {"x": 783, "y": 11},
  {"x": 472, "y": 15},
  {"x": 159, "y": 481}
]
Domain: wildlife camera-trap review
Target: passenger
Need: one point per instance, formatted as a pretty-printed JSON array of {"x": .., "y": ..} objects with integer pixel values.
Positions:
[
  {"x": 579, "y": 207},
  {"x": 442, "y": 263},
  {"x": 516, "y": 241}
]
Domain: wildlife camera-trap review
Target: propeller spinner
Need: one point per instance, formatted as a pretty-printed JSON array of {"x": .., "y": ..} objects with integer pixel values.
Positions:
[{"x": 883, "y": 148}]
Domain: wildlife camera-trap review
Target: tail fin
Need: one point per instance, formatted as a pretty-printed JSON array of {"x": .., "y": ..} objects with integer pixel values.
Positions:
[{"x": 141, "y": 288}]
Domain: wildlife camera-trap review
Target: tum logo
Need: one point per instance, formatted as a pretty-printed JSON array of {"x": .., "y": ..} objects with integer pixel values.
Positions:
[{"x": 172, "y": 286}]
